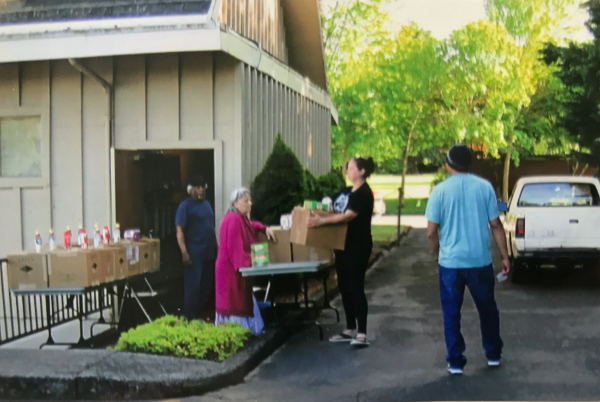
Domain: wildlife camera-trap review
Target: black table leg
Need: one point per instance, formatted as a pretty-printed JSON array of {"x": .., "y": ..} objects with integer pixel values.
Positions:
[
  {"x": 50, "y": 340},
  {"x": 305, "y": 280},
  {"x": 80, "y": 316}
]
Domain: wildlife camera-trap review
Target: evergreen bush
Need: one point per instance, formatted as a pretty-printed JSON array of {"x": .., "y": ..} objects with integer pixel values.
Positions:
[
  {"x": 279, "y": 186},
  {"x": 331, "y": 183},
  {"x": 173, "y": 336}
]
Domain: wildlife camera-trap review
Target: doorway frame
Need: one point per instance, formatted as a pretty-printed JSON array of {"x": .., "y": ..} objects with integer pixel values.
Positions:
[{"x": 215, "y": 146}]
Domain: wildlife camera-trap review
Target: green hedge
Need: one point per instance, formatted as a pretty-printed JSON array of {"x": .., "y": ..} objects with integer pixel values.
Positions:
[
  {"x": 173, "y": 336},
  {"x": 284, "y": 183}
]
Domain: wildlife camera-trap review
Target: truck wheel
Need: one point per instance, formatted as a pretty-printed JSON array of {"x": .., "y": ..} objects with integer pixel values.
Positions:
[{"x": 518, "y": 272}]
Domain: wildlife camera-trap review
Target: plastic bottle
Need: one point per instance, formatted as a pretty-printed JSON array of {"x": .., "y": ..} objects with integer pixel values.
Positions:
[
  {"x": 117, "y": 233},
  {"x": 38, "y": 242},
  {"x": 51, "y": 241},
  {"x": 67, "y": 238},
  {"x": 97, "y": 237},
  {"x": 82, "y": 238},
  {"x": 105, "y": 235}
]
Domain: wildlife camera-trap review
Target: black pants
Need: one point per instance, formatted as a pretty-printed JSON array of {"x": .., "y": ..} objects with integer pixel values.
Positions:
[
  {"x": 351, "y": 267},
  {"x": 199, "y": 286}
]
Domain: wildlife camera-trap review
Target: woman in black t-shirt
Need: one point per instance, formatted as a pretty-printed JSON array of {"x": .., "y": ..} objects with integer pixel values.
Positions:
[{"x": 353, "y": 205}]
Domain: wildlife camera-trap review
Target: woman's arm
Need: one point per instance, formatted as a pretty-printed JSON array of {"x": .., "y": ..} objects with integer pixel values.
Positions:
[
  {"x": 258, "y": 227},
  {"x": 316, "y": 220},
  {"x": 235, "y": 245}
]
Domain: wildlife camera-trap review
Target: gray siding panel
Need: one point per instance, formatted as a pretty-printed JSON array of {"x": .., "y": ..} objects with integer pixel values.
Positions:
[
  {"x": 9, "y": 85},
  {"x": 162, "y": 92},
  {"x": 34, "y": 215},
  {"x": 10, "y": 216},
  {"x": 96, "y": 147},
  {"x": 66, "y": 146},
  {"x": 196, "y": 97},
  {"x": 34, "y": 81},
  {"x": 272, "y": 108},
  {"x": 130, "y": 100}
]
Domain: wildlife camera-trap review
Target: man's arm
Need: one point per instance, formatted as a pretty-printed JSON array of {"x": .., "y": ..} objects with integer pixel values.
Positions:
[
  {"x": 181, "y": 242},
  {"x": 500, "y": 239},
  {"x": 433, "y": 238}
]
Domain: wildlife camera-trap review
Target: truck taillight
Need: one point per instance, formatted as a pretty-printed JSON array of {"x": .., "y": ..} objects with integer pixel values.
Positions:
[{"x": 520, "y": 231}]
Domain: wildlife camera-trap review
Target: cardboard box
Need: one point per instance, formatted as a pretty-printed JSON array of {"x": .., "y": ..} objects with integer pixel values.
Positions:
[
  {"x": 280, "y": 252},
  {"x": 309, "y": 253},
  {"x": 327, "y": 236},
  {"x": 76, "y": 268},
  {"x": 121, "y": 265},
  {"x": 132, "y": 256},
  {"x": 154, "y": 251},
  {"x": 145, "y": 257},
  {"x": 107, "y": 261},
  {"x": 27, "y": 270}
]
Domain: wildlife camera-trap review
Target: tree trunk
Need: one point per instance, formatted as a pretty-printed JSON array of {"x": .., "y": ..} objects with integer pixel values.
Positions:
[
  {"x": 506, "y": 176},
  {"x": 405, "y": 167},
  {"x": 406, "y": 153},
  {"x": 584, "y": 170}
]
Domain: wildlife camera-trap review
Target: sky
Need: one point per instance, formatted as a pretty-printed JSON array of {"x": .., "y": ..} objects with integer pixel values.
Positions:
[{"x": 441, "y": 17}]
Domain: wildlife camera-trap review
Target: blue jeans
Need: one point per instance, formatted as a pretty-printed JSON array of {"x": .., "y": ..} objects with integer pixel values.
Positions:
[{"x": 480, "y": 282}]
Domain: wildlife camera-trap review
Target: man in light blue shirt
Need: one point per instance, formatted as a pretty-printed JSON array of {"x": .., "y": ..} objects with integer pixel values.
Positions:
[{"x": 460, "y": 212}]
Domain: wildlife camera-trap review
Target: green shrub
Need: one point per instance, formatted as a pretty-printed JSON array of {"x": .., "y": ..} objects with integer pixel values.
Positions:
[
  {"x": 279, "y": 186},
  {"x": 311, "y": 187},
  {"x": 439, "y": 177},
  {"x": 331, "y": 183},
  {"x": 173, "y": 336}
]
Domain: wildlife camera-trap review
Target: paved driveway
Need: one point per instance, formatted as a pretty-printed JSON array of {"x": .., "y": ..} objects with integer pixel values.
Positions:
[{"x": 551, "y": 330}]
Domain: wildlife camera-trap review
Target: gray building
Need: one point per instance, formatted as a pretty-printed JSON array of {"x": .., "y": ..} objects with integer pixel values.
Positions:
[{"x": 108, "y": 106}]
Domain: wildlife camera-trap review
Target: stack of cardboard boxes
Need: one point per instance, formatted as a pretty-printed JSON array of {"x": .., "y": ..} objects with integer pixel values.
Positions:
[
  {"x": 301, "y": 243},
  {"x": 78, "y": 267}
]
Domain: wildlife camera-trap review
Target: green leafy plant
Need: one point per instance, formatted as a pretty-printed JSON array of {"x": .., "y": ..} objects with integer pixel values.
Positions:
[
  {"x": 312, "y": 190},
  {"x": 439, "y": 177},
  {"x": 331, "y": 183},
  {"x": 173, "y": 336},
  {"x": 279, "y": 186}
]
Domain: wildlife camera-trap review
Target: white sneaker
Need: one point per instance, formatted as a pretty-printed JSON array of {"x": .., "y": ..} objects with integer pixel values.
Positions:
[
  {"x": 493, "y": 363},
  {"x": 455, "y": 370}
]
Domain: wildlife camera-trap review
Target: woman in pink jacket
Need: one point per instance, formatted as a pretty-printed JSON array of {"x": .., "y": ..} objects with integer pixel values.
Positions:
[{"x": 234, "y": 299}]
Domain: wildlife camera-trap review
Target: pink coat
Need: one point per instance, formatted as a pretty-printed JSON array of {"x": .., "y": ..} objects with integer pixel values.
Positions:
[{"x": 233, "y": 291}]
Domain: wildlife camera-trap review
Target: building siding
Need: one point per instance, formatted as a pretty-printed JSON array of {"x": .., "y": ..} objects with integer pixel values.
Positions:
[
  {"x": 270, "y": 108},
  {"x": 185, "y": 101}
]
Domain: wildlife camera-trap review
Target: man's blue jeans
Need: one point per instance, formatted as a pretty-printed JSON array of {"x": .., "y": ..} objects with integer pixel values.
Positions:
[{"x": 480, "y": 282}]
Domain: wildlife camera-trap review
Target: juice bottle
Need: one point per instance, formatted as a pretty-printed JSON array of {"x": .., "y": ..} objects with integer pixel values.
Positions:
[
  {"x": 51, "y": 241},
  {"x": 82, "y": 238},
  {"x": 117, "y": 233},
  {"x": 38, "y": 242},
  {"x": 67, "y": 238},
  {"x": 105, "y": 235},
  {"x": 97, "y": 237}
]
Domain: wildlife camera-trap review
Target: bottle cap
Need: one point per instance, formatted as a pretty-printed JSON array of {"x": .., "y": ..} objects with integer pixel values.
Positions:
[
  {"x": 80, "y": 226},
  {"x": 51, "y": 231},
  {"x": 37, "y": 232},
  {"x": 96, "y": 227},
  {"x": 68, "y": 228},
  {"x": 117, "y": 225}
]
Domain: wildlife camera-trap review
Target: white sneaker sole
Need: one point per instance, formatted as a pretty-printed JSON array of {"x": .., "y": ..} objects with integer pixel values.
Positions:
[
  {"x": 341, "y": 340},
  {"x": 455, "y": 371},
  {"x": 493, "y": 363},
  {"x": 359, "y": 343}
]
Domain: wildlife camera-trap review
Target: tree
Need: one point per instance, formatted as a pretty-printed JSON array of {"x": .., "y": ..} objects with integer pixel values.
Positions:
[
  {"x": 531, "y": 24},
  {"x": 352, "y": 33},
  {"x": 408, "y": 78}
]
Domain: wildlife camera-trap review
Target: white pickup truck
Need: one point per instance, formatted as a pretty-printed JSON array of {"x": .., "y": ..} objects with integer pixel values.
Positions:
[{"x": 553, "y": 220}]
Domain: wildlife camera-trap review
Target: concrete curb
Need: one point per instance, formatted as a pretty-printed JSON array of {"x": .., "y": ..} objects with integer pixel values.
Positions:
[{"x": 107, "y": 375}]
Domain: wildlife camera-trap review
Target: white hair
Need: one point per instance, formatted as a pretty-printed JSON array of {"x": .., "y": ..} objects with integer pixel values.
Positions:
[{"x": 237, "y": 195}]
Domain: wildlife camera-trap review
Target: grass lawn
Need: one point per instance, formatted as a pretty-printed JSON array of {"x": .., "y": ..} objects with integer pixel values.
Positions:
[
  {"x": 412, "y": 206},
  {"x": 383, "y": 232}
]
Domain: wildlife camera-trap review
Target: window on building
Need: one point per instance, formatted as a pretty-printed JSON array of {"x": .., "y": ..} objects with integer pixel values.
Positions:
[{"x": 20, "y": 147}]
